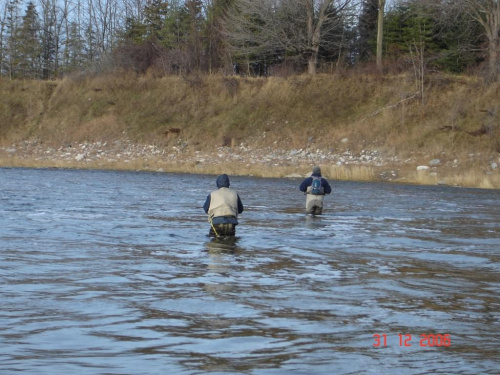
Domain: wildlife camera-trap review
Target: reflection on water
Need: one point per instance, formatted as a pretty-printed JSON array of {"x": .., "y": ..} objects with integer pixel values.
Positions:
[
  {"x": 315, "y": 222},
  {"x": 223, "y": 245},
  {"x": 112, "y": 273}
]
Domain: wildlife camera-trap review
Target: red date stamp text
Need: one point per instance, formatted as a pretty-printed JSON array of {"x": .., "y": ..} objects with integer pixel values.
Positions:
[{"x": 407, "y": 340}]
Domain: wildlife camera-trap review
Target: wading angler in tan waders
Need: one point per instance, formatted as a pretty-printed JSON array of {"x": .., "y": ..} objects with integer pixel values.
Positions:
[
  {"x": 223, "y": 206},
  {"x": 315, "y": 188}
]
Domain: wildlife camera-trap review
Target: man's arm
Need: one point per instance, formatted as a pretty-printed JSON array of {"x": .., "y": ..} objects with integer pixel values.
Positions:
[
  {"x": 206, "y": 206},
  {"x": 326, "y": 186},
  {"x": 240, "y": 205},
  {"x": 307, "y": 182}
]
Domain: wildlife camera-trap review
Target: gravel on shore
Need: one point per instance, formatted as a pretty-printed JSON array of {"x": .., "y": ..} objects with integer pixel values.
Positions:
[{"x": 184, "y": 156}]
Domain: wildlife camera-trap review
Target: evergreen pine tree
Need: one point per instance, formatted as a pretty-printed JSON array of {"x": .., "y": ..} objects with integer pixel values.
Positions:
[
  {"x": 367, "y": 30},
  {"x": 29, "y": 47}
]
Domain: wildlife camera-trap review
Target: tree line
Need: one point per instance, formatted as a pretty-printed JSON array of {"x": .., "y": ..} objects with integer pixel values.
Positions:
[{"x": 46, "y": 39}]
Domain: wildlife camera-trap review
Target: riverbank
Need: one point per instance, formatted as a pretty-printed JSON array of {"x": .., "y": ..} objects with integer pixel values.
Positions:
[
  {"x": 260, "y": 162},
  {"x": 355, "y": 126}
]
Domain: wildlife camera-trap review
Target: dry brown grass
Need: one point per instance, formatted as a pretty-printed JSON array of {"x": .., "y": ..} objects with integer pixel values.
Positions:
[
  {"x": 350, "y": 173},
  {"x": 475, "y": 179},
  {"x": 466, "y": 177}
]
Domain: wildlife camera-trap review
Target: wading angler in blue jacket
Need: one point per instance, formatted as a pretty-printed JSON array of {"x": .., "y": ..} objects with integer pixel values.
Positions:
[
  {"x": 315, "y": 187},
  {"x": 223, "y": 206}
]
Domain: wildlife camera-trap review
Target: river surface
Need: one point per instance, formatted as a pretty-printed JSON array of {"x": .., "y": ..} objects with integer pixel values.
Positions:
[{"x": 113, "y": 273}]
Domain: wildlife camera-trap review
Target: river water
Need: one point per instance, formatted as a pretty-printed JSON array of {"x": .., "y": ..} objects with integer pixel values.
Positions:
[{"x": 113, "y": 273}]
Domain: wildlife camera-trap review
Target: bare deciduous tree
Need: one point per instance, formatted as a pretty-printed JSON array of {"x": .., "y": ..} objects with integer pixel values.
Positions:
[
  {"x": 295, "y": 28},
  {"x": 3, "y": 30},
  {"x": 487, "y": 14},
  {"x": 380, "y": 33}
]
